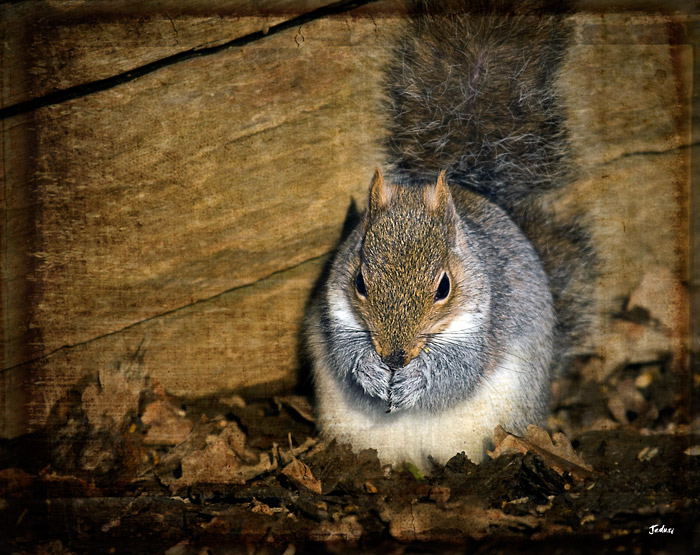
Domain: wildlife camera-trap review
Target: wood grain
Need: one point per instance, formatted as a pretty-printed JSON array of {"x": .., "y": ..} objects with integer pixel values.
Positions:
[
  {"x": 186, "y": 215},
  {"x": 194, "y": 181},
  {"x": 627, "y": 88}
]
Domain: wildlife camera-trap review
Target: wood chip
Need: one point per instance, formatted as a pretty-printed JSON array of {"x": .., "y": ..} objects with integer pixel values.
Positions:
[
  {"x": 647, "y": 453},
  {"x": 428, "y": 522},
  {"x": 370, "y": 488}
]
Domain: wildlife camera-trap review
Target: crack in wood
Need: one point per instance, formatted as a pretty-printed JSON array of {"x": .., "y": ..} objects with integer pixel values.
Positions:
[
  {"x": 652, "y": 152},
  {"x": 166, "y": 313},
  {"x": 85, "y": 89}
]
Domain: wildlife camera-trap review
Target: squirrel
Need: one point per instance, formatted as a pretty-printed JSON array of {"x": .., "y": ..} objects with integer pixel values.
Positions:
[{"x": 458, "y": 297}]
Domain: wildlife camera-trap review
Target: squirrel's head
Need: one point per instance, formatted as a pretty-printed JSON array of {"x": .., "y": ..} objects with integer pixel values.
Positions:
[{"x": 406, "y": 275}]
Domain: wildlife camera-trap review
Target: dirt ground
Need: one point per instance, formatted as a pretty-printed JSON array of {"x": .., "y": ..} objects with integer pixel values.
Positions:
[{"x": 617, "y": 470}]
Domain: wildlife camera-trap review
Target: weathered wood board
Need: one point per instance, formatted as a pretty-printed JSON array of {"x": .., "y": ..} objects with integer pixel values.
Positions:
[
  {"x": 199, "y": 179},
  {"x": 187, "y": 214},
  {"x": 628, "y": 87}
]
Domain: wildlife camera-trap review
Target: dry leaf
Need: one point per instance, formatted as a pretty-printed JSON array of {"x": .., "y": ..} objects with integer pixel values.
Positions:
[
  {"x": 299, "y": 405},
  {"x": 209, "y": 457},
  {"x": 166, "y": 425},
  {"x": 114, "y": 397},
  {"x": 301, "y": 475},
  {"x": 216, "y": 463},
  {"x": 558, "y": 455}
]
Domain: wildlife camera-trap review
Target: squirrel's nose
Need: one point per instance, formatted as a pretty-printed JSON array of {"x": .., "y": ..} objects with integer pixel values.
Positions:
[{"x": 395, "y": 360}]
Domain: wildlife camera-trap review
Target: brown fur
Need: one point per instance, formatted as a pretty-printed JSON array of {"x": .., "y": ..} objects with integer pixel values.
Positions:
[{"x": 473, "y": 92}]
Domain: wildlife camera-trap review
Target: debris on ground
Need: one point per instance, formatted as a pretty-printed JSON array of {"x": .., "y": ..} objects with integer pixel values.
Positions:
[{"x": 186, "y": 475}]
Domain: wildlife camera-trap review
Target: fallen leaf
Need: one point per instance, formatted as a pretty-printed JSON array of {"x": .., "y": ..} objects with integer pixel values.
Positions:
[
  {"x": 299, "y": 405},
  {"x": 559, "y": 455},
  {"x": 166, "y": 425},
  {"x": 301, "y": 475},
  {"x": 216, "y": 463},
  {"x": 114, "y": 396},
  {"x": 213, "y": 454}
]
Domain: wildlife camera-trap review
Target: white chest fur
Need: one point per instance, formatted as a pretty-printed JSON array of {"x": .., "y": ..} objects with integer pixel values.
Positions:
[{"x": 413, "y": 435}]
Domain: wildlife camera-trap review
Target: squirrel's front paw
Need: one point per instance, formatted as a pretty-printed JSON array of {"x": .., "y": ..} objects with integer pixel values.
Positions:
[
  {"x": 374, "y": 380},
  {"x": 406, "y": 387}
]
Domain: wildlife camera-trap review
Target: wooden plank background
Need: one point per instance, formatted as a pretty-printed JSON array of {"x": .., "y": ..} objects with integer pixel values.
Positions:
[{"x": 181, "y": 219}]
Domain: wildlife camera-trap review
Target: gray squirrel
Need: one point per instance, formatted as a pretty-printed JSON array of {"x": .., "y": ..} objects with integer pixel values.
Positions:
[{"x": 447, "y": 311}]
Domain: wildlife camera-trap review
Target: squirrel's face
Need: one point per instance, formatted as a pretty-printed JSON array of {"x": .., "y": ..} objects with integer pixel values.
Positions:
[{"x": 405, "y": 277}]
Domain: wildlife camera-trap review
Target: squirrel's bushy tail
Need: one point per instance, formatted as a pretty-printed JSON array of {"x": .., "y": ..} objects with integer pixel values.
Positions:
[{"x": 473, "y": 91}]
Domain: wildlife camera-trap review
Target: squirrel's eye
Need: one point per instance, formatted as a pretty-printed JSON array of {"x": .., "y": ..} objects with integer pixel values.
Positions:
[
  {"x": 360, "y": 284},
  {"x": 443, "y": 288}
]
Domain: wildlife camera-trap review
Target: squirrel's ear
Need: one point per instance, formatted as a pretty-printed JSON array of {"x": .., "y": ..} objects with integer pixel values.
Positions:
[
  {"x": 380, "y": 194},
  {"x": 437, "y": 197}
]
